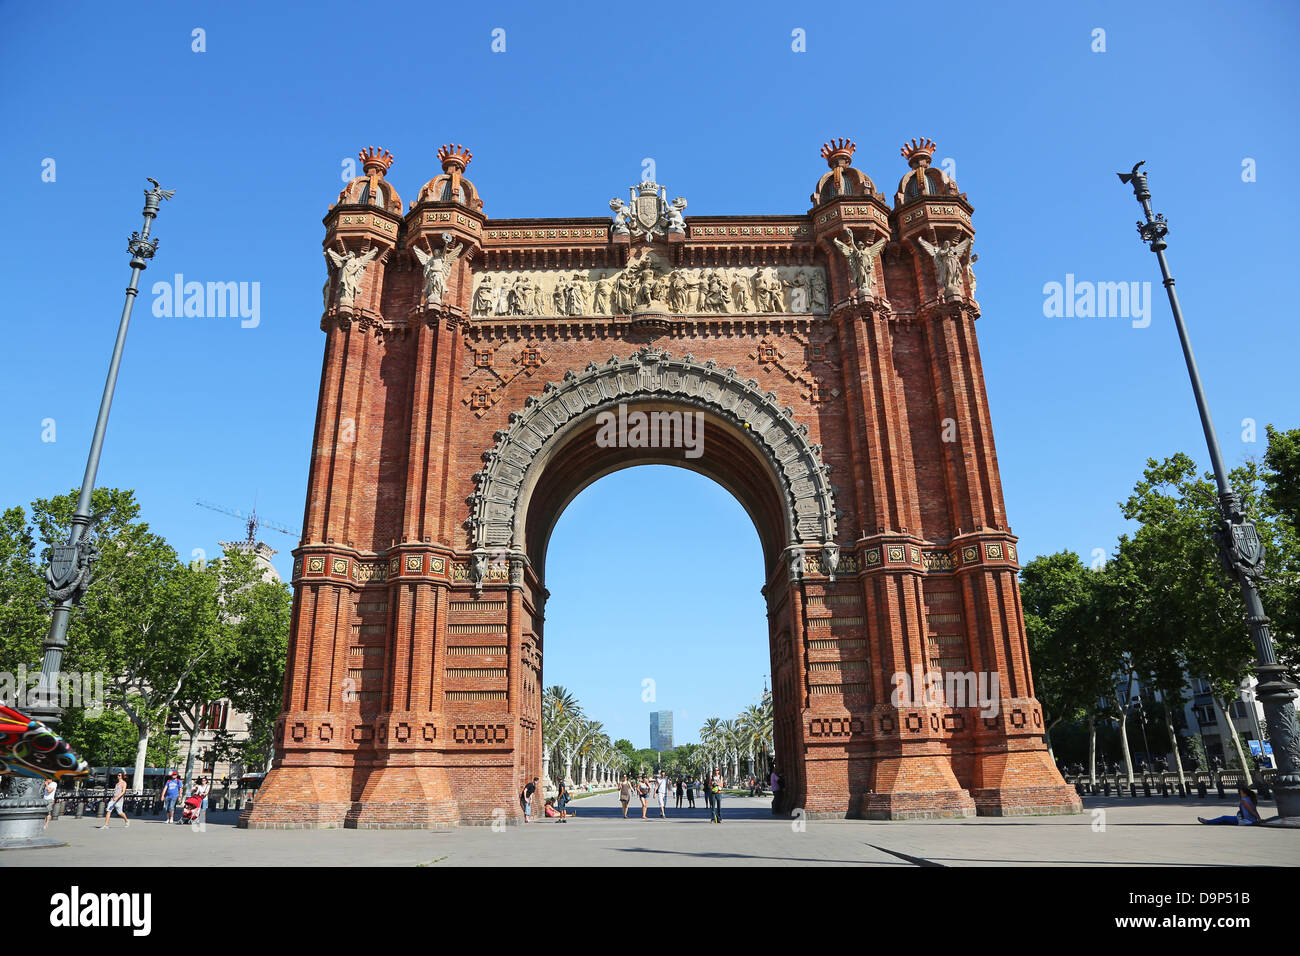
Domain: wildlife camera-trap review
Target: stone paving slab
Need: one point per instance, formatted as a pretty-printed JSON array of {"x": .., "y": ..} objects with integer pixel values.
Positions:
[{"x": 1137, "y": 833}]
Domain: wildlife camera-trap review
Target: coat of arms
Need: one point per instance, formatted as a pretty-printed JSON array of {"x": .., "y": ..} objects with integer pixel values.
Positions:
[
  {"x": 69, "y": 569},
  {"x": 649, "y": 213},
  {"x": 1239, "y": 543}
]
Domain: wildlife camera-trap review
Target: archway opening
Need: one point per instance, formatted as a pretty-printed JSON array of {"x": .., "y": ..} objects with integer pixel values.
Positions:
[
  {"x": 655, "y": 576},
  {"x": 660, "y": 553}
]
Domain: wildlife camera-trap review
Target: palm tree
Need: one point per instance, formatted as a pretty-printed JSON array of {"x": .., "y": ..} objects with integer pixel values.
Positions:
[
  {"x": 756, "y": 723},
  {"x": 570, "y": 744},
  {"x": 729, "y": 738},
  {"x": 560, "y": 711}
]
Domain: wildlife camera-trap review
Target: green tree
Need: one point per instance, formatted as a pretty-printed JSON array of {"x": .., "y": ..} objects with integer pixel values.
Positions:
[
  {"x": 146, "y": 621},
  {"x": 1280, "y": 501},
  {"x": 1186, "y": 607},
  {"x": 1059, "y": 594},
  {"x": 23, "y": 621},
  {"x": 259, "y": 613}
]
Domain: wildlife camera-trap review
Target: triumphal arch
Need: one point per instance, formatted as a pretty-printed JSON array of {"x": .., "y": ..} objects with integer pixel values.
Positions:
[{"x": 831, "y": 361}]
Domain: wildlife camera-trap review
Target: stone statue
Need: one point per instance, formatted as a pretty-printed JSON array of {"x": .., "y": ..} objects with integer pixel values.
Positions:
[
  {"x": 560, "y": 298},
  {"x": 659, "y": 291},
  {"x": 351, "y": 268},
  {"x": 517, "y": 297},
  {"x": 948, "y": 267},
  {"x": 970, "y": 272},
  {"x": 673, "y": 216},
  {"x": 769, "y": 294},
  {"x": 576, "y": 295},
  {"x": 740, "y": 291},
  {"x": 624, "y": 293},
  {"x": 484, "y": 297},
  {"x": 600, "y": 297},
  {"x": 620, "y": 208},
  {"x": 716, "y": 296},
  {"x": 645, "y": 287},
  {"x": 818, "y": 291},
  {"x": 679, "y": 291},
  {"x": 536, "y": 297},
  {"x": 862, "y": 260},
  {"x": 502, "y": 306},
  {"x": 437, "y": 266},
  {"x": 800, "y": 293}
]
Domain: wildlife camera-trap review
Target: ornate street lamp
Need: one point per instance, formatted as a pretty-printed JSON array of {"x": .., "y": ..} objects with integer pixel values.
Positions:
[
  {"x": 22, "y": 812},
  {"x": 1239, "y": 547}
]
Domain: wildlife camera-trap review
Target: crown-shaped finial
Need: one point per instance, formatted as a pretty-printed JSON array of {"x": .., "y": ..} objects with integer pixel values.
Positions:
[
  {"x": 454, "y": 155},
  {"x": 919, "y": 152},
  {"x": 838, "y": 152},
  {"x": 379, "y": 159}
]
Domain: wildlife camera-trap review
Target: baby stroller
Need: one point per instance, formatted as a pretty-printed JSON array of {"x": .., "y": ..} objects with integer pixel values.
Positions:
[{"x": 191, "y": 811}]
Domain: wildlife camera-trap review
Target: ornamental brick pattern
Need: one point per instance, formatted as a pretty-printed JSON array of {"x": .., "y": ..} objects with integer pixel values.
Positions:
[{"x": 834, "y": 360}]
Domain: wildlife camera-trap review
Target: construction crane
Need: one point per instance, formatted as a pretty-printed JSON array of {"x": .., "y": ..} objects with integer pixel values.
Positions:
[{"x": 251, "y": 520}]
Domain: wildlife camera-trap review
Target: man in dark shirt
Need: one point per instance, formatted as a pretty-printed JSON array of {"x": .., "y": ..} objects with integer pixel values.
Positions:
[{"x": 529, "y": 789}]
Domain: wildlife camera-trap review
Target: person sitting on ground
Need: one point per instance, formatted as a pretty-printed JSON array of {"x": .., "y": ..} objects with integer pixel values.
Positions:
[{"x": 1247, "y": 810}]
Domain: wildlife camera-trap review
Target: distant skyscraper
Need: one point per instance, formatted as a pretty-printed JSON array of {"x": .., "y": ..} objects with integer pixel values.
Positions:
[{"x": 661, "y": 730}]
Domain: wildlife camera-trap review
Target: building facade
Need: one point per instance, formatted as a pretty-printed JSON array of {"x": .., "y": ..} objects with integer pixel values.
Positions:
[
  {"x": 472, "y": 368},
  {"x": 661, "y": 730}
]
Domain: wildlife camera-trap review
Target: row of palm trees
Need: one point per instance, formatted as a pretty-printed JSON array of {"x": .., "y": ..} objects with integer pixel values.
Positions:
[
  {"x": 740, "y": 746},
  {"x": 572, "y": 742},
  {"x": 576, "y": 749}
]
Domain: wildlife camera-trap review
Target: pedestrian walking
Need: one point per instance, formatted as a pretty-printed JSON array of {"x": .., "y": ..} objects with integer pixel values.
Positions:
[
  {"x": 562, "y": 800},
  {"x": 171, "y": 794},
  {"x": 624, "y": 794},
  {"x": 50, "y": 787},
  {"x": 717, "y": 796},
  {"x": 681, "y": 790},
  {"x": 662, "y": 793},
  {"x": 706, "y": 784},
  {"x": 643, "y": 791},
  {"x": 690, "y": 792},
  {"x": 119, "y": 797},
  {"x": 774, "y": 780}
]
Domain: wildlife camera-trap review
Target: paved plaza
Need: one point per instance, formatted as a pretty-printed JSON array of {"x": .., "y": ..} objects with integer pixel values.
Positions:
[{"x": 1136, "y": 833}]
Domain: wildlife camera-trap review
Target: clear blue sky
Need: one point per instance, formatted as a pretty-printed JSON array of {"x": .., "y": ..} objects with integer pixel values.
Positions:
[{"x": 252, "y": 134}]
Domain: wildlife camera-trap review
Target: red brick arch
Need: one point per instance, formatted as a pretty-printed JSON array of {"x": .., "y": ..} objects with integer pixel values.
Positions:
[{"x": 457, "y": 419}]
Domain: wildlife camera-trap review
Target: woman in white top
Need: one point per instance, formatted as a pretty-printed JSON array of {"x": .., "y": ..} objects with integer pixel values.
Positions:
[{"x": 50, "y": 787}]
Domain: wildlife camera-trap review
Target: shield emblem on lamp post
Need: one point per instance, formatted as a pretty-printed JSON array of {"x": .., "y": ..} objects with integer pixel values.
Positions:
[
  {"x": 63, "y": 565},
  {"x": 1246, "y": 544}
]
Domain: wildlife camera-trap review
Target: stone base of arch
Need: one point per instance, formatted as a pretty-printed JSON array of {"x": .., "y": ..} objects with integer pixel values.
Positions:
[
  {"x": 915, "y": 787},
  {"x": 301, "y": 798},
  {"x": 1010, "y": 782},
  {"x": 405, "y": 797}
]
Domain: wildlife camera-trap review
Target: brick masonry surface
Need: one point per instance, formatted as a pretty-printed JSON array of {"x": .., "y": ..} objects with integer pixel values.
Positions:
[{"x": 851, "y": 422}]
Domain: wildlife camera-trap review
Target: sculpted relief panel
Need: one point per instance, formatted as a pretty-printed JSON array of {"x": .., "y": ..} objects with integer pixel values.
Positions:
[{"x": 643, "y": 283}]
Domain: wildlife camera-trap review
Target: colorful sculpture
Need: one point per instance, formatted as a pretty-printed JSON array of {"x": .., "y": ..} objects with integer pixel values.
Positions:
[{"x": 30, "y": 749}]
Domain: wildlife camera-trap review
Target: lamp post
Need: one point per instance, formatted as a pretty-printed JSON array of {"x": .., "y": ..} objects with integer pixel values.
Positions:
[
  {"x": 22, "y": 812},
  {"x": 1239, "y": 546},
  {"x": 1142, "y": 723}
]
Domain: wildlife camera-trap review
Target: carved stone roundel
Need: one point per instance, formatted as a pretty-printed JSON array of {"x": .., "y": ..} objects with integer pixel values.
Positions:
[{"x": 496, "y": 515}]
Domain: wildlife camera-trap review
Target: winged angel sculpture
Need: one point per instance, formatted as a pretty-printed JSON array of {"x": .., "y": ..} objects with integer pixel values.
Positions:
[{"x": 437, "y": 266}]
